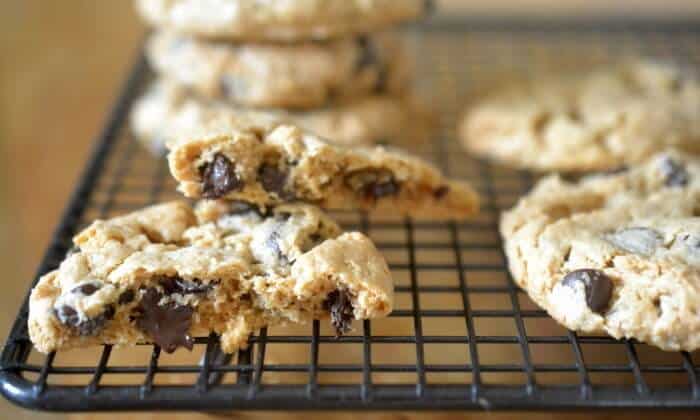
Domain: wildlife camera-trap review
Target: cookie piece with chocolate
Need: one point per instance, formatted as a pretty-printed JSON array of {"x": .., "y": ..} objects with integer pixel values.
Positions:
[
  {"x": 294, "y": 76},
  {"x": 315, "y": 171},
  {"x": 615, "y": 253},
  {"x": 168, "y": 273}
]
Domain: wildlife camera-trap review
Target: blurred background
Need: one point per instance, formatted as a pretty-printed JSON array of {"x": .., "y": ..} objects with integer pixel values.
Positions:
[{"x": 62, "y": 63}]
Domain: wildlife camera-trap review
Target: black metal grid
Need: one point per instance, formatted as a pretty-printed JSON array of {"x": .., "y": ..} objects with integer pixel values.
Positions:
[{"x": 462, "y": 335}]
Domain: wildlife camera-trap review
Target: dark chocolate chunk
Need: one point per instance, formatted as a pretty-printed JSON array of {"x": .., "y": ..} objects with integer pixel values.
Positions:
[
  {"x": 338, "y": 304},
  {"x": 219, "y": 177},
  {"x": 373, "y": 183},
  {"x": 69, "y": 316},
  {"x": 127, "y": 296},
  {"x": 274, "y": 180},
  {"x": 167, "y": 325},
  {"x": 597, "y": 286},
  {"x": 174, "y": 284},
  {"x": 86, "y": 289},
  {"x": 441, "y": 191},
  {"x": 109, "y": 312},
  {"x": 674, "y": 173}
]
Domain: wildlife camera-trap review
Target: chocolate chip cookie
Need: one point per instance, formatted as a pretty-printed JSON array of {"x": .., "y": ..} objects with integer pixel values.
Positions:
[
  {"x": 615, "y": 253},
  {"x": 597, "y": 120},
  {"x": 167, "y": 273},
  {"x": 296, "y": 20},
  {"x": 166, "y": 110},
  {"x": 304, "y": 75},
  {"x": 268, "y": 164}
]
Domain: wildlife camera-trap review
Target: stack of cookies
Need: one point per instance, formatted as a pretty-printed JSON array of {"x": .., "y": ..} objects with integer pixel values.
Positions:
[
  {"x": 255, "y": 249},
  {"x": 310, "y": 62}
]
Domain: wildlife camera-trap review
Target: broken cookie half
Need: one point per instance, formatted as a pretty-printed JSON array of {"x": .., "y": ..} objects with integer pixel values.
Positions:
[
  {"x": 168, "y": 273},
  {"x": 268, "y": 164}
]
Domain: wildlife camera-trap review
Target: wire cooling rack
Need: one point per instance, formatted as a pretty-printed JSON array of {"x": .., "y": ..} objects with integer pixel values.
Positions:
[{"x": 462, "y": 335}]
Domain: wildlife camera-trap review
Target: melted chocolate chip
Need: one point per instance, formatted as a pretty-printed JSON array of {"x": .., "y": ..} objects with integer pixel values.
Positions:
[
  {"x": 93, "y": 326},
  {"x": 219, "y": 177},
  {"x": 127, "y": 296},
  {"x": 69, "y": 316},
  {"x": 167, "y": 325},
  {"x": 174, "y": 284},
  {"x": 374, "y": 183},
  {"x": 441, "y": 191},
  {"x": 597, "y": 286},
  {"x": 86, "y": 289},
  {"x": 339, "y": 306},
  {"x": 274, "y": 180},
  {"x": 674, "y": 173}
]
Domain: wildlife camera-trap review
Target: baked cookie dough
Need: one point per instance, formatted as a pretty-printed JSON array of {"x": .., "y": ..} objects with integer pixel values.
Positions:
[
  {"x": 279, "y": 20},
  {"x": 598, "y": 120},
  {"x": 616, "y": 253},
  {"x": 268, "y": 164},
  {"x": 305, "y": 75},
  {"x": 167, "y": 273},
  {"x": 166, "y": 111}
]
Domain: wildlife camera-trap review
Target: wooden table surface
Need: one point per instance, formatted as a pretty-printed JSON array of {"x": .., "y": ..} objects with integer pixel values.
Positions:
[{"x": 61, "y": 64}]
